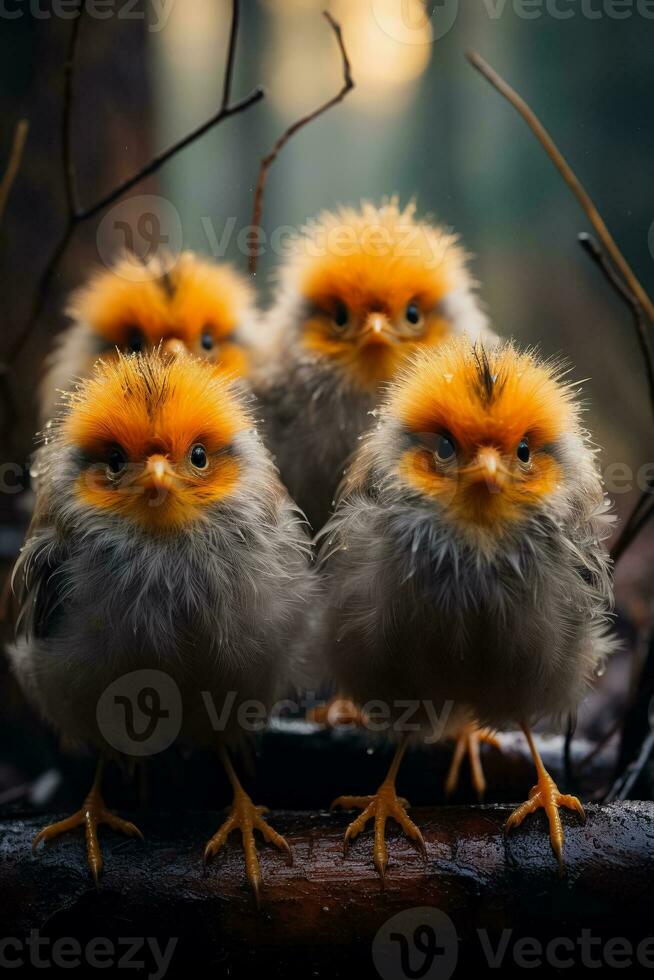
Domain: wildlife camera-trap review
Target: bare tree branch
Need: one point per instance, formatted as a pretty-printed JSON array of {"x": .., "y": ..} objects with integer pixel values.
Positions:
[
  {"x": 158, "y": 161},
  {"x": 568, "y": 175},
  {"x": 267, "y": 162},
  {"x": 7, "y": 397},
  {"x": 70, "y": 176},
  {"x": 13, "y": 164},
  {"x": 641, "y": 512},
  {"x": 630, "y": 290},
  {"x": 77, "y": 215},
  {"x": 231, "y": 55},
  {"x": 640, "y": 517},
  {"x": 590, "y": 246},
  {"x": 625, "y": 783}
]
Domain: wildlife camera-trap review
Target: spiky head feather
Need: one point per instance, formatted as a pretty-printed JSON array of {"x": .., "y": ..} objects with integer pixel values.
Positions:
[
  {"x": 350, "y": 265},
  {"x": 151, "y": 407},
  {"x": 187, "y": 300},
  {"x": 505, "y": 416}
]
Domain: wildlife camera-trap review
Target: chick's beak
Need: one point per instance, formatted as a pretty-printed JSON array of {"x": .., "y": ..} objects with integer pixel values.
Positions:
[
  {"x": 174, "y": 346},
  {"x": 158, "y": 473},
  {"x": 488, "y": 469},
  {"x": 377, "y": 331}
]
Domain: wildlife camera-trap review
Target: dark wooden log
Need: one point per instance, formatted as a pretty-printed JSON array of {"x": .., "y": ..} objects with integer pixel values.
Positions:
[{"x": 321, "y": 917}]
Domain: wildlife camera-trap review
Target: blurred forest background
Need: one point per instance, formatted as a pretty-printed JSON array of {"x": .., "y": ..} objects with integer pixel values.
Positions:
[{"x": 420, "y": 122}]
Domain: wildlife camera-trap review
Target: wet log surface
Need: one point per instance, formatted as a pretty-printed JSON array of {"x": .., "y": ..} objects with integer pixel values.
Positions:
[{"x": 321, "y": 916}]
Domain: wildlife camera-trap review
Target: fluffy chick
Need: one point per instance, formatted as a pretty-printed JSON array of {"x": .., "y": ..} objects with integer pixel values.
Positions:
[
  {"x": 162, "y": 538},
  {"x": 466, "y": 564},
  {"x": 362, "y": 291},
  {"x": 193, "y": 305}
]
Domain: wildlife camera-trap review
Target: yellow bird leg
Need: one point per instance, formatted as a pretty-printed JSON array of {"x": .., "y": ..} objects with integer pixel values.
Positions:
[
  {"x": 468, "y": 742},
  {"x": 545, "y": 794},
  {"x": 383, "y": 804},
  {"x": 247, "y": 818},
  {"x": 92, "y": 813}
]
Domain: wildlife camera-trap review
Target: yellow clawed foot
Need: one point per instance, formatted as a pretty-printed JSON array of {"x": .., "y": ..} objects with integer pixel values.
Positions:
[
  {"x": 546, "y": 794},
  {"x": 337, "y": 711},
  {"x": 90, "y": 815},
  {"x": 247, "y": 818},
  {"x": 468, "y": 742},
  {"x": 384, "y": 804}
]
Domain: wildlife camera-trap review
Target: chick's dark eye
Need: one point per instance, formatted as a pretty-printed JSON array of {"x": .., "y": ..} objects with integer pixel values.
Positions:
[
  {"x": 413, "y": 313},
  {"x": 207, "y": 340},
  {"x": 135, "y": 341},
  {"x": 116, "y": 460},
  {"x": 341, "y": 315},
  {"x": 523, "y": 452},
  {"x": 445, "y": 448},
  {"x": 199, "y": 456}
]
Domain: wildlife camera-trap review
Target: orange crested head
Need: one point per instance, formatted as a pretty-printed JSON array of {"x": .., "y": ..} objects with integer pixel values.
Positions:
[
  {"x": 155, "y": 437},
  {"x": 486, "y": 431},
  {"x": 372, "y": 283},
  {"x": 189, "y": 304}
]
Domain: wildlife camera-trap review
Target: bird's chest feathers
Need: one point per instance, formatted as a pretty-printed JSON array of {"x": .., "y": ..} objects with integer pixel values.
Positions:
[
  {"x": 466, "y": 604},
  {"x": 324, "y": 421},
  {"x": 165, "y": 597}
]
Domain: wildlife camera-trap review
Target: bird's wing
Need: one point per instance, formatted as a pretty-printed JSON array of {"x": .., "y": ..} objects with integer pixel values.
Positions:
[
  {"x": 589, "y": 538},
  {"x": 37, "y": 588}
]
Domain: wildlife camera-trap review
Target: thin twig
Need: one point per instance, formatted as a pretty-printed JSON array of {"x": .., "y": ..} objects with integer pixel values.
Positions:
[
  {"x": 84, "y": 214},
  {"x": 157, "y": 162},
  {"x": 70, "y": 184},
  {"x": 645, "y": 495},
  {"x": 6, "y": 391},
  {"x": 568, "y": 769},
  {"x": 592, "y": 248},
  {"x": 634, "y": 522},
  {"x": 640, "y": 508},
  {"x": 13, "y": 164},
  {"x": 7, "y": 397},
  {"x": 601, "y": 744},
  {"x": 626, "y": 540},
  {"x": 231, "y": 55},
  {"x": 631, "y": 290},
  {"x": 627, "y": 780},
  {"x": 568, "y": 175},
  {"x": 267, "y": 162},
  {"x": 68, "y": 158}
]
